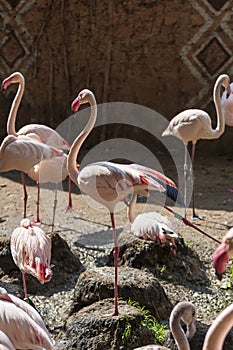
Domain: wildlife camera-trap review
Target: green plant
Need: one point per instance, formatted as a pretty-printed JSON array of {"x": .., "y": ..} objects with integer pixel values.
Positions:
[
  {"x": 158, "y": 330},
  {"x": 127, "y": 332}
]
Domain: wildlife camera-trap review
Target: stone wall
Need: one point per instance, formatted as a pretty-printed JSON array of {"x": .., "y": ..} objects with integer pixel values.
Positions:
[{"x": 163, "y": 54}]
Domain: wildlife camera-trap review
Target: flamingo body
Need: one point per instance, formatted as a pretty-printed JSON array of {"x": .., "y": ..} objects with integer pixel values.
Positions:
[
  {"x": 51, "y": 170},
  {"x": 31, "y": 250},
  {"x": 22, "y": 324},
  {"x": 22, "y": 153}
]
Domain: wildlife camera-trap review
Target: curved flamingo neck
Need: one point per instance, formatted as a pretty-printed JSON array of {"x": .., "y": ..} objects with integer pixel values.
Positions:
[
  {"x": 219, "y": 329},
  {"x": 177, "y": 331},
  {"x": 14, "y": 107},
  {"x": 131, "y": 209},
  {"x": 220, "y": 115},
  {"x": 74, "y": 150}
]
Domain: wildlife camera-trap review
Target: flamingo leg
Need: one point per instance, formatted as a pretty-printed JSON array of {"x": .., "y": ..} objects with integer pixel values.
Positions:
[
  {"x": 69, "y": 207},
  {"x": 38, "y": 203},
  {"x": 185, "y": 179},
  {"x": 116, "y": 253},
  {"x": 24, "y": 285},
  {"x": 54, "y": 207},
  {"x": 195, "y": 216},
  {"x": 25, "y": 194}
]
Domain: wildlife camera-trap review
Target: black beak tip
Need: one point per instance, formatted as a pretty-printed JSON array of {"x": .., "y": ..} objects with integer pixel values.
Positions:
[{"x": 219, "y": 276}]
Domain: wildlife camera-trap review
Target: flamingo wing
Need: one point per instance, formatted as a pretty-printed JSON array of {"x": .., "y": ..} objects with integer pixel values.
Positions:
[
  {"x": 154, "y": 177},
  {"x": 5, "y": 342}
]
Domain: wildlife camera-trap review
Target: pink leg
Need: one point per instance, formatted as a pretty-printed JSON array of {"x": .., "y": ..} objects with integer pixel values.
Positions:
[
  {"x": 25, "y": 194},
  {"x": 24, "y": 285},
  {"x": 116, "y": 252},
  {"x": 54, "y": 207},
  {"x": 69, "y": 207}
]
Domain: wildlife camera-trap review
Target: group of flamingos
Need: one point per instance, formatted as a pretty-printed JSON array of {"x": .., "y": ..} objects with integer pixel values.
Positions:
[{"x": 38, "y": 151}]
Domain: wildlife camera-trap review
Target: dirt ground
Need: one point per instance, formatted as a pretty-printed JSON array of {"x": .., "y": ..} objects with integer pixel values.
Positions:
[{"x": 87, "y": 226}]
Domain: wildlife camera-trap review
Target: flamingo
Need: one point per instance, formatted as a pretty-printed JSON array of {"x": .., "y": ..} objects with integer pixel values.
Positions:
[
  {"x": 22, "y": 324},
  {"x": 31, "y": 252},
  {"x": 151, "y": 226},
  {"x": 53, "y": 170},
  {"x": 223, "y": 253},
  {"x": 194, "y": 124},
  {"x": 5, "y": 342},
  {"x": 227, "y": 106},
  {"x": 41, "y": 132},
  {"x": 107, "y": 182},
  {"x": 183, "y": 311}
]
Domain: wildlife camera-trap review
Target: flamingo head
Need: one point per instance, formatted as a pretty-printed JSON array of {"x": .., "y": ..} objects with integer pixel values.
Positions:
[
  {"x": 15, "y": 77},
  {"x": 82, "y": 98},
  {"x": 222, "y": 254},
  {"x": 26, "y": 223},
  {"x": 226, "y": 84}
]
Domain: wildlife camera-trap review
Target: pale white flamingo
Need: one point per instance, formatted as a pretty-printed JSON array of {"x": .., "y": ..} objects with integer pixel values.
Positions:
[
  {"x": 195, "y": 124},
  {"x": 223, "y": 253},
  {"x": 22, "y": 324},
  {"x": 31, "y": 252},
  {"x": 183, "y": 311},
  {"x": 108, "y": 183},
  {"x": 5, "y": 342},
  {"x": 53, "y": 170},
  {"x": 151, "y": 226},
  {"x": 41, "y": 132},
  {"x": 227, "y": 106}
]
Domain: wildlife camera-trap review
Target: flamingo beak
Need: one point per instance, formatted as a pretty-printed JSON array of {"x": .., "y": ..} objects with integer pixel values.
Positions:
[
  {"x": 228, "y": 91},
  {"x": 75, "y": 104},
  {"x": 220, "y": 258}
]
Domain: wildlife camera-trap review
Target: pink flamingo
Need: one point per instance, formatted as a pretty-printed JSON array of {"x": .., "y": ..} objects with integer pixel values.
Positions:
[
  {"x": 53, "y": 170},
  {"x": 22, "y": 324},
  {"x": 31, "y": 252},
  {"x": 108, "y": 183},
  {"x": 41, "y": 132},
  {"x": 223, "y": 253},
  {"x": 194, "y": 124},
  {"x": 151, "y": 226},
  {"x": 227, "y": 106}
]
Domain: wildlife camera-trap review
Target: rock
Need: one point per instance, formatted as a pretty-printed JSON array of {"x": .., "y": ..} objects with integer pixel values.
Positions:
[
  {"x": 140, "y": 253},
  {"x": 140, "y": 286},
  {"x": 93, "y": 328}
]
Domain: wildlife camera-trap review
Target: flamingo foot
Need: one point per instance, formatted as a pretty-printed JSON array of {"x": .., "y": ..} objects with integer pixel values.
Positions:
[
  {"x": 36, "y": 222},
  {"x": 69, "y": 208},
  {"x": 197, "y": 217}
]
